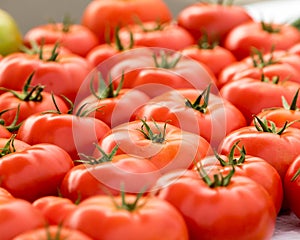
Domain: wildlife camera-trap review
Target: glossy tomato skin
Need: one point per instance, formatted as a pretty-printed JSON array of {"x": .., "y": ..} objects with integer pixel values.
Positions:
[
  {"x": 130, "y": 174},
  {"x": 72, "y": 133},
  {"x": 76, "y": 37},
  {"x": 37, "y": 166},
  {"x": 220, "y": 117},
  {"x": 254, "y": 168},
  {"x": 49, "y": 232},
  {"x": 18, "y": 216},
  {"x": 62, "y": 77},
  {"x": 215, "y": 20},
  {"x": 178, "y": 150},
  {"x": 251, "y": 95},
  {"x": 148, "y": 36},
  {"x": 210, "y": 212},
  {"x": 103, "y": 16},
  {"x": 54, "y": 208},
  {"x": 278, "y": 150},
  {"x": 292, "y": 186},
  {"x": 111, "y": 222},
  {"x": 246, "y": 36}
]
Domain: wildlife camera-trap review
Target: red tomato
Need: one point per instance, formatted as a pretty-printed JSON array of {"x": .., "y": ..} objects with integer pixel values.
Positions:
[
  {"x": 72, "y": 133},
  {"x": 4, "y": 131},
  {"x": 54, "y": 208},
  {"x": 32, "y": 99},
  {"x": 277, "y": 146},
  {"x": 77, "y": 38},
  {"x": 127, "y": 173},
  {"x": 295, "y": 49},
  {"x": 102, "y": 217},
  {"x": 292, "y": 186},
  {"x": 283, "y": 64},
  {"x": 166, "y": 146},
  {"x": 52, "y": 232},
  {"x": 5, "y": 195},
  {"x": 153, "y": 34},
  {"x": 262, "y": 36},
  {"x": 18, "y": 216},
  {"x": 38, "y": 172},
  {"x": 199, "y": 112},
  {"x": 210, "y": 210},
  {"x": 102, "y": 16},
  {"x": 251, "y": 96},
  {"x": 63, "y": 75},
  {"x": 215, "y": 20}
]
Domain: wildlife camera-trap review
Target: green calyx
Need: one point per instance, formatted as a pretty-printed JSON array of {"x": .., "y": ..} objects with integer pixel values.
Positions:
[
  {"x": 166, "y": 60},
  {"x": 149, "y": 134},
  {"x": 119, "y": 45},
  {"x": 8, "y": 147},
  {"x": 258, "y": 60},
  {"x": 204, "y": 43},
  {"x": 13, "y": 127},
  {"x": 293, "y": 105},
  {"x": 28, "y": 94},
  {"x": 197, "y": 105},
  {"x": 269, "y": 126},
  {"x": 268, "y": 27},
  {"x": 274, "y": 79}
]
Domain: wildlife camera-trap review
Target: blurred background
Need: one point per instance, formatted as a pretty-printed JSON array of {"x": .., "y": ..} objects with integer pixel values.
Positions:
[{"x": 29, "y": 13}]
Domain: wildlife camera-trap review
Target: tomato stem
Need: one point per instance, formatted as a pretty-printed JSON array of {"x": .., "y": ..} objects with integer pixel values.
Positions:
[
  {"x": 165, "y": 62},
  {"x": 293, "y": 106},
  {"x": 263, "y": 126},
  {"x": 269, "y": 27},
  {"x": 9, "y": 147},
  {"x": 232, "y": 161},
  {"x": 196, "y": 105},
  {"x": 149, "y": 134}
]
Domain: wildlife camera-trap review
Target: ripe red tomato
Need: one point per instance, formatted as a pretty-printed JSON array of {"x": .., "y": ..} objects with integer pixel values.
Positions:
[
  {"x": 211, "y": 209},
  {"x": 128, "y": 217},
  {"x": 77, "y": 38},
  {"x": 166, "y": 146},
  {"x": 262, "y": 36},
  {"x": 52, "y": 232},
  {"x": 215, "y": 20},
  {"x": 18, "y": 216},
  {"x": 102, "y": 16}
]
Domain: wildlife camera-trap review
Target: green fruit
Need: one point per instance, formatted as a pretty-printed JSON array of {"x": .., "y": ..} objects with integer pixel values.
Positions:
[{"x": 10, "y": 35}]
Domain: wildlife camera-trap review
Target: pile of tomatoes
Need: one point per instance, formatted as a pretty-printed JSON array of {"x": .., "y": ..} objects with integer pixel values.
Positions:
[{"x": 137, "y": 124}]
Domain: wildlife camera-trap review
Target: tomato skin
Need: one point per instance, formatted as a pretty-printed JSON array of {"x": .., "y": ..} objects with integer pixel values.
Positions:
[
  {"x": 292, "y": 187},
  {"x": 4, "y": 194},
  {"x": 78, "y": 38},
  {"x": 69, "y": 70},
  {"x": 254, "y": 168},
  {"x": 240, "y": 42},
  {"x": 99, "y": 218},
  {"x": 55, "y": 232},
  {"x": 177, "y": 151},
  {"x": 148, "y": 36},
  {"x": 54, "y": 208},
  {"x": 243, "y": 94},
  {"x": 115, "y": 110},
  {"x": 18, "y": 216},
  {"x": 38, "y": 166},
  {"x": 278, "y": 150},
  {"x": 295, "y": 49},
  {"x": 4, "y": 133},
  {"x": 103, "y": 16},
  {"x": 211, "y": 211},
  {"x": 132, "y": 172},
  {"x": 215, "y": 20},
  {"x": 72, "y": 133}
]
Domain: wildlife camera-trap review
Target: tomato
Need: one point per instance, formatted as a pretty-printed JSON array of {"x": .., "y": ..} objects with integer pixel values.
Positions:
[
  {"x": 77, "y": 38},
  {"x": 54, "y": 208},
  {"x": 295, "y": 48},
  {"x": 52, "y": 232},
  {"x": 292, "y": 186},
  {"x": 32, "y": 99},
  {"x": 73, "y": 133},
  {"x": 153, "y": 34},
  {"x": 196, "y": 111},
  {"x": 109, "y": 174},
  {"x": 11, "y": 36},
  {"x": 166, "y": 146},
  {"x": 262, "y": 36},
  {"x": 244, "y": 93},
  {"x": 4, "y": 132},
  {"x": 215, "y": 20},
  {"x": 222, "y": 207},
  {"x": 277, "y": 146},
  {"x": 18, "y": 216},
  {"x": 113, "y": 106},
  {"x": 283, "y": 64},
  {"x": 60, "y": 74},
  {"x": 249, "y": 166},
  {"x": 103, "y": 16},
  {"x": 25, "y": 173},
  {"x": 5, "y": 195},
  {"x": 127, "y": 217}
]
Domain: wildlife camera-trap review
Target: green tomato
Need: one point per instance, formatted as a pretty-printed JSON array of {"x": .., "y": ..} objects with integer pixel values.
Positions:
[{"x": 10, "y": 35}]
